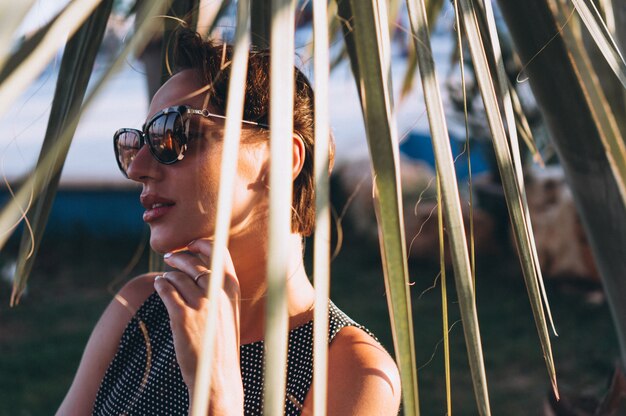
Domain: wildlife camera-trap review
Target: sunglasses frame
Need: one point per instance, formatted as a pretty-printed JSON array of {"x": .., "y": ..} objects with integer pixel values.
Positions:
[{"x": 182, "y": 111}]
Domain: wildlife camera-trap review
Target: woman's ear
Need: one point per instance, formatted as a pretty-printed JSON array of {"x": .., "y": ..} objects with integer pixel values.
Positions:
[{"x": 299, "y": 154}]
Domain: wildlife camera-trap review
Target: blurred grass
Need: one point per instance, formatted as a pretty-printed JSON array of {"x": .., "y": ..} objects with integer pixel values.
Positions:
[{"x": 41, "y": 340}]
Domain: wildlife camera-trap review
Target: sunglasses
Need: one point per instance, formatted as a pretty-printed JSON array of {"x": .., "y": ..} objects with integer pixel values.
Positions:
[{"x": 166, "y": 134}]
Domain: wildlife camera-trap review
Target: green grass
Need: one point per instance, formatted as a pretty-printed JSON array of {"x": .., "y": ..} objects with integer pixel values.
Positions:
[{"x": 42, "y": 339}]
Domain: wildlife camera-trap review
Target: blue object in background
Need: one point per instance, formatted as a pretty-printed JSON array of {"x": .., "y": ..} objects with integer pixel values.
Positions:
[
  {"x": 419, "y": 146},
  {"x": 108, "y": 212}
]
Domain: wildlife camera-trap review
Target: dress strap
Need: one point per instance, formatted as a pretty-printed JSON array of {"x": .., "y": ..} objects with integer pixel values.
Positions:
[{"x": 337, "y": 320}]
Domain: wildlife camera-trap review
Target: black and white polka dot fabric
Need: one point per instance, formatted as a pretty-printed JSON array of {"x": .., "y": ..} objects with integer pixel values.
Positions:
[{"x": 144, "y": 377}]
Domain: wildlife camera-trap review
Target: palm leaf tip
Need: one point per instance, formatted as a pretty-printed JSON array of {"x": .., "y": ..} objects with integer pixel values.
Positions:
[{"x": 555, "y": 388}]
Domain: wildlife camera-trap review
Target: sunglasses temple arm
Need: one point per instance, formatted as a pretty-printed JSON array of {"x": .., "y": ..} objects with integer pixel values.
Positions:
[{"x": 208, "y": 114}]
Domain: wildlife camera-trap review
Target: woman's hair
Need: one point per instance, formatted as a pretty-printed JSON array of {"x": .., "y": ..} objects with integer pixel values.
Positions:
[{"x": 212, "y": 62}]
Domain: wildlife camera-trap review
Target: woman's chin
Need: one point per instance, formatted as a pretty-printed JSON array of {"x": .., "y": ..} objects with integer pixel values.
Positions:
[
  {"x": 165, "y": 241},
  {"x": 162, "y": 244}
]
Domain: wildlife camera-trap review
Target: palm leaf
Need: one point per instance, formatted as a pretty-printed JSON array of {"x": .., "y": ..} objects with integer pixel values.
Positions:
[
  {"x": 523, "y": 128},
  {"x": 394, "y": 8},
  {"x": 601, "y": 35},
  {"x": 261, "y": 23},
  {"x": 181, "y": 12},
  {"x": 451, "y": 204},
  {"x": 321, "y": 254},
  {"x": 506, "y": 96},
  {"x": 461, "y": 60},
  {"x": 187, "y": 11},
  {"x": 223, "y": 8},
  {"x": 558, "y": 87},
  {"x": 408, "y": 81},
  {"x": 612, "y": 140},
  {"x": 25, "y": 48},
  {"x": 76, "y": 66},
  {"x": 362, "y": 26},
  {"x": 234, "y": 113},
  {"x": 12, "y": 14},
  {"x": 37, "y": 181},
  {"x": 509, "y": 180},
  {"x": 335, "y": 32},
  {"x": 444, "y": 298},
  {"x": 433, "y": 9},
  {"x": 28, "y": 68},
  {"x": 281, "y": 156}
]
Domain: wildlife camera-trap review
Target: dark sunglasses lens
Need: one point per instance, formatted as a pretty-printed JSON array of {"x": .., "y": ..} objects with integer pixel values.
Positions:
[
  {"x": 166, "y": 137},
  {"x": 127, "y": 144}
]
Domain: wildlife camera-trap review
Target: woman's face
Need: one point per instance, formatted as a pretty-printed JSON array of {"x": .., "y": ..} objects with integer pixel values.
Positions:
[{"x": 181, "y": 199}]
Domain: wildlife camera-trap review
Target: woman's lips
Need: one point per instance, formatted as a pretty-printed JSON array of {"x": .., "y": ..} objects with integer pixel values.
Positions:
[
  {"x": 156, "y": 206},
  {"x": 156, "y": 211}
]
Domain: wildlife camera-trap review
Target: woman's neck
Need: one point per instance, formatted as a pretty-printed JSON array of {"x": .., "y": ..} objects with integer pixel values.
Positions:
[{"x": 250, "y": 260}]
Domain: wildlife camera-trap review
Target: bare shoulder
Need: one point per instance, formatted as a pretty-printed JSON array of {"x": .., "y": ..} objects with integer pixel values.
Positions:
[
  {"x": 363, "y": 378},
  {"x": 103, "y": 344},
  {"x": 135, "y": 292}
]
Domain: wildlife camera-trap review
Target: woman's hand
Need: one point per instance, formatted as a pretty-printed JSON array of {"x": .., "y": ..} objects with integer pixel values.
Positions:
[{"x": 186, "y": 302}]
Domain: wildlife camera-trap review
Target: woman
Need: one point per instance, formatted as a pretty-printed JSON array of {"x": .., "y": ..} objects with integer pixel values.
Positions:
[{"x": 142, "y": 355}]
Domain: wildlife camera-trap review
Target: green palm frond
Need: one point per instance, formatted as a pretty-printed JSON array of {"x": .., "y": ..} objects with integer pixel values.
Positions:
[
  {"x": 223, "y": 8},
  {"x": 362, "y": 27},
  {"x": 612, "y": 140},
  {"x": 232, "y": 133},
  {"x": 510, "y": 181},
  {"x": 444, "y": 299},
  {"x": 261, "y": 23},
  {"x": 433, "y": 9},
  {"x": 181, "y": 12},
  {"x": 76, "y": 66},
  {"x": 506, "y": 94},
  {"x": 281, "y": 190},
  {"x": 451, "y": 203},
  {"x": 50, "y": 162},
  {"x": 321, "y": 254},
  {"x": 603, "y": 38},
  {"x": 523, "y": 127},
  {"x": 33, "y": 61},
  {"x": 13, "y": 14}
]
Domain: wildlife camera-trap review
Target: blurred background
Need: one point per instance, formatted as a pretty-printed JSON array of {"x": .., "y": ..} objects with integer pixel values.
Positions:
[{"x": 95, "y": 240}]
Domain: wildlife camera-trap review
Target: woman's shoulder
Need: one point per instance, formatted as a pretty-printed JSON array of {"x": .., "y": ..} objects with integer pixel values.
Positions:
[
  {"x": 135, "y": 292},
  {"x": 363, "y": 374},
  {"x": 123, "y": 307},
  {"x": 103, "y": 344},
  {"x": 355, "y": 347},
  {"x": 125, "y": 304}
]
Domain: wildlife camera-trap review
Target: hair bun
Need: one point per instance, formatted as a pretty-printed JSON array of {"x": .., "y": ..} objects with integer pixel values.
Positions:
[{"x": 187, "y": 43}]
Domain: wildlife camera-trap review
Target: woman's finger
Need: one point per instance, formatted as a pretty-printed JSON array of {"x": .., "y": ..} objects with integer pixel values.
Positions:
[
  {"x": 202, "y": 279},
  {"x": 173, "y": 301},
  {"x": 189, "y": 291},
  {"x": 191, "y": 265},
  {"x": 204, "y": 248}
]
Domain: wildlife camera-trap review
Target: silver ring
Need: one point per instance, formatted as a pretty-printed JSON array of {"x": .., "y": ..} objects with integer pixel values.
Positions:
[{"x": 199, "y": 275}]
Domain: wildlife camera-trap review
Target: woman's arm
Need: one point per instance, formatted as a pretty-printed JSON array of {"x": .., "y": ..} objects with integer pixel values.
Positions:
[
  {"x": 103, "y": 344},
  {"x": 362, "y": 378}
]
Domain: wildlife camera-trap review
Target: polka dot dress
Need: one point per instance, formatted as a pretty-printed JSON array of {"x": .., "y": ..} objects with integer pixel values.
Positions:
[{"x": 145, "y": 379}]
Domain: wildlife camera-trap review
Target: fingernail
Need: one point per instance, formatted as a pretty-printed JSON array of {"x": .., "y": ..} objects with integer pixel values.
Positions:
[{"x": 167, "y": 255}]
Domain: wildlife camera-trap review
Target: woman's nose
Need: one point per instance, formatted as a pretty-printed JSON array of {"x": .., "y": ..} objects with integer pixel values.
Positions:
[{"x": 144, "y": 166}]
